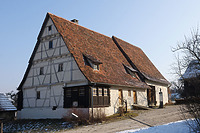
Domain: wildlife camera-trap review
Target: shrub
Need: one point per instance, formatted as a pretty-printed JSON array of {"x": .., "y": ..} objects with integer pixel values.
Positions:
[
  {"x": 192, "y": 106},
  {"x": 82, "y": 118}
]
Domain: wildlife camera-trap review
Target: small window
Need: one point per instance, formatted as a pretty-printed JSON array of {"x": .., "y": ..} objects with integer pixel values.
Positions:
[
  {"x": 60, "y": 67},
  {"x": 81, "y": 92},
  {"x": 38, "y": 94},
  {"x": 96, "y": 67},
  {"x": 68, "y": 92},
  {"x": 105, "y": 92},
  {"x": 41, "y": 70},
  {"x": 50, "y": 44},
  {"x": 94, "y": 91},
  {"x": 49, "y": 28},
  {"x": 129, "y": 93},
  {"x": 100, "y": 91}
]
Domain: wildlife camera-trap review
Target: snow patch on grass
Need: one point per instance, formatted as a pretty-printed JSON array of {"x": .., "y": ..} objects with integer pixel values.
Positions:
[{"x": 172, "y": 127}]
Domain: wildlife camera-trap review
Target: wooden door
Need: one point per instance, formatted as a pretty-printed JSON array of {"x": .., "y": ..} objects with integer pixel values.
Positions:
[
  {"x": 151, "y": 96},
  {"x": 134, "y": 97},
  {"x": 120, "y": 97}
]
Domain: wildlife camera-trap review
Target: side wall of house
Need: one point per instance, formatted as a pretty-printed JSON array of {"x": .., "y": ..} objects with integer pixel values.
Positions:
[
  {"x": 43, "y": 89},
  {"x": 163, "y": 89},
  {"x": 114, "y": 100}
]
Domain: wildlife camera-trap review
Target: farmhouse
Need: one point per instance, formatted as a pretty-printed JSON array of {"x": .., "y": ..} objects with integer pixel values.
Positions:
[
  {"x": 191, "y": 79},
  {"x": 7, "y": 109},
  {"x": 74, "y": 67}
]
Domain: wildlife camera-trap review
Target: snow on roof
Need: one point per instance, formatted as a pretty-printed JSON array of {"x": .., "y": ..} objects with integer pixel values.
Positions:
[
  {"x": 193, "y": 70},
  {"x": 5, "y": 104}
]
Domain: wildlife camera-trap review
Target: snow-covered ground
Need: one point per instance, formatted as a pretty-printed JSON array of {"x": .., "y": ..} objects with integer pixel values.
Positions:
[{"x": 173, "y": 127}]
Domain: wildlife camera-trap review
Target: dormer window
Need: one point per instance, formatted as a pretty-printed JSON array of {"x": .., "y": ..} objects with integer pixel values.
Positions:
[
  {"x": 50, "y": 44},
  {"x": 91, "y": 61},
  {"x": 131, "y": 71}
]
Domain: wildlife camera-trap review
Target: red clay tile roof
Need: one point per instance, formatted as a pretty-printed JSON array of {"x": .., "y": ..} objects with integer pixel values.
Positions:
[
  {"x": 142, "y": 62},
  {"x": 80, "y": 40}
]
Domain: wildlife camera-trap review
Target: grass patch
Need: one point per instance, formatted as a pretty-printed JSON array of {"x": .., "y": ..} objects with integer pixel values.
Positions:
[
  {"x": 47, "y": 125},
  {"x": 57, "y": 125},
  {"x": 118, "y": 116}
]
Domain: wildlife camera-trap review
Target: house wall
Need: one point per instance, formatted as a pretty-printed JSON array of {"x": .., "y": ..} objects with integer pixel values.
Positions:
[
  {"x": 114, "y": 100},
  {"x": 7, "y": 115},
  {"x": 51, "y": 83},
  {"x": 157, "y": 89}
]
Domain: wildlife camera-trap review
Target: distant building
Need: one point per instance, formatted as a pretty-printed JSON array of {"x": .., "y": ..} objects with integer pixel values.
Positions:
[
  {"x": 74, "y": 67},
  {"x": 191, "y": 79},
  {"x": 7, "y": 109}
]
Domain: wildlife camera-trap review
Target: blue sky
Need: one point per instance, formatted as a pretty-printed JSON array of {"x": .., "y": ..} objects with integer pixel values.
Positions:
[{"x": 155, "y": 26}]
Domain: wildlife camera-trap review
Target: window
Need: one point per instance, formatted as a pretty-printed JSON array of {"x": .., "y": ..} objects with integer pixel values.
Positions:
[
  {"x": 105, "y": 91},
  {"x": 49, "y": 28},
  {"x": 100, "y": 91},
  {"x": 101, "y": 97},
  {"x": 77, "y": 97},
  {"x": 41, "y": 70},
  {"x": 81, "y": 92},
  {"x": 94, "y": 91},
  {"x": 68, "y": 93},
  {"x": 38, "y": 94},
  {"x": 96, "y": 67},
  {"x": 50, "y": 44},
  {"x": 91, "y": 61},
  {"x": 60, "y": 67},
  {"x": 131, "y": 71},
  {"x": 129, "y": 93}
]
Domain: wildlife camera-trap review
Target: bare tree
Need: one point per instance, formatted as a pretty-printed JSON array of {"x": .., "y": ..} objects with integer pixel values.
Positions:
[{"x": 188, "y": 60}]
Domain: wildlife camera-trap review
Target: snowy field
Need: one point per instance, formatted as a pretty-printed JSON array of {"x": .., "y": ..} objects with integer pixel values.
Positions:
[{"x": 173, "y": 127}]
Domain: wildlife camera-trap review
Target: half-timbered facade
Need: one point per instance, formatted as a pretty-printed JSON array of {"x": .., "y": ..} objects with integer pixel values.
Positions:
[{"x": 74, "y": 67}]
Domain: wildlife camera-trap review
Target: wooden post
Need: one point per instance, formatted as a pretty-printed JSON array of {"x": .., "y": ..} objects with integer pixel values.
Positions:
[
  {"x": 92, "y": 102},
  {"x": 1, "y": 127}
]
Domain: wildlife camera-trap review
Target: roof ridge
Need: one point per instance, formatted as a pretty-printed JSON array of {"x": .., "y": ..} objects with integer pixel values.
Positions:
[
  {"x": 78, "y": 24},
  {"x": 127, "y": 42}
]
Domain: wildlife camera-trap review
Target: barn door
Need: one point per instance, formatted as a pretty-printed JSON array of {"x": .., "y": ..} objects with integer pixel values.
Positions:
[
  {"x": 120, "y": 97},
  {"x": 134, "y": 97}
]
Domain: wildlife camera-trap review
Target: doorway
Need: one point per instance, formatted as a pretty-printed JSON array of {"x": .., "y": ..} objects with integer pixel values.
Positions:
[
  {"x": 151, "y": 96},
  {"x": 134, "y": 97},
  {"x": 120, "y": 97}
]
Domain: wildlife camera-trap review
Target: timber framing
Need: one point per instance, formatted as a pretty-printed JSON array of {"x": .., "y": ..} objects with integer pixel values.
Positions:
[{"x": 74, "y": 67}]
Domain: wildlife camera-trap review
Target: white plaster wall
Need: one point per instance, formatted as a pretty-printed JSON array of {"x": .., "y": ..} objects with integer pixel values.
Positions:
[
  {"x": 50, "y": 59},
  {"x": 163, "y": 89},
  {"x": 52, "y": 82},
  {"x": 114, "y": 101},
  {"x": 46, "y": 32},
  {"x": 142, "y": 97}
]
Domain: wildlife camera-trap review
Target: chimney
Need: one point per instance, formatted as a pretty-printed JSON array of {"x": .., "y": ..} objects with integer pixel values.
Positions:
[{"x": 75, "y": 21}]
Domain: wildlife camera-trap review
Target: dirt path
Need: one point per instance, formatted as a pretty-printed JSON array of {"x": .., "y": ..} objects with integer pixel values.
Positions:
[{"x": 153, "y": 117}]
